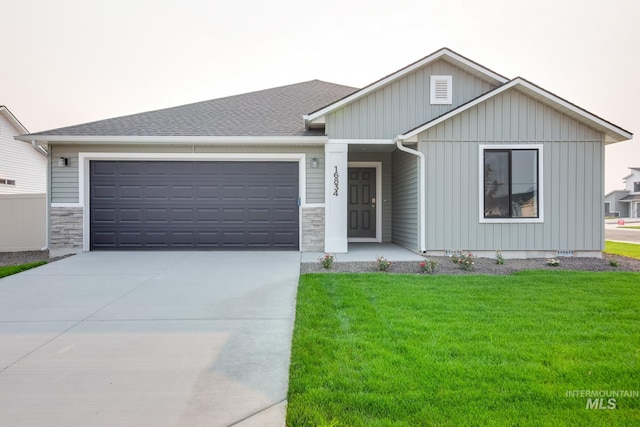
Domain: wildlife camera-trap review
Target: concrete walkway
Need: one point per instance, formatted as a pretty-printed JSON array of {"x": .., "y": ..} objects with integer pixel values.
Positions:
[
  {"x": 148, "y": 339},
  {"x": 360, "y": 252}
]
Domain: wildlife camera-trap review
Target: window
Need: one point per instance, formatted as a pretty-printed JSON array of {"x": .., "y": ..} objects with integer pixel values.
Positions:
[
  {"x": 511, "y": 184},
  {"x": 5, "y": 181},
  {"x": 636, "y": 187},
  {"x": 441, "y": 90}
]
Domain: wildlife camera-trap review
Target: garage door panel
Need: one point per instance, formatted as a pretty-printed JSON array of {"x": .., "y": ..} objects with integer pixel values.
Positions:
[
  {"x": 194, "y": 205},
  {"x": 285, "y": 216}
]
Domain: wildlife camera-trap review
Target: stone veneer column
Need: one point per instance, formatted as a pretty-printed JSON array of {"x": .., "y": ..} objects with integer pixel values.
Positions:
[
  {"x": 65, "y": 228},
  {"x": 313, "y": 229}
]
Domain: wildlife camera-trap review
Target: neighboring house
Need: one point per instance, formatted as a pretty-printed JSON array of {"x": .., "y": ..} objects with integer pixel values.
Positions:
[
  {"x": 613, "y": 206},
  {"x": 625, "y": 203},
  {"x": 23, "y": 186},
  {"x": 442, "y": 155},
  {"x": 22, "y": 166}
]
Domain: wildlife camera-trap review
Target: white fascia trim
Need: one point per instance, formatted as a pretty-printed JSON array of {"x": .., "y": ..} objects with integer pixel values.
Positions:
[
  {"x": 362, "y": 141},
  {"x": 66, "y": 205},
  {"x": 400, "y": 73},
  {"x": 200, "y": 140},
  {"x": 378, "y": 167},
  {"x": 608, "y": 128},
  {"x": 85, "y": 157},
  {"x": 481, "y": 217}
]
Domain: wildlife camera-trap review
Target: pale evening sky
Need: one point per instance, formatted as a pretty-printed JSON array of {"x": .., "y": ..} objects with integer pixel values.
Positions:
[{"x": 67, "y": 62}]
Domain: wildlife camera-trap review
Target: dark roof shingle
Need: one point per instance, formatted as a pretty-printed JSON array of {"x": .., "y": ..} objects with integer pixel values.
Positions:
[{"x": 271, "y": 112}]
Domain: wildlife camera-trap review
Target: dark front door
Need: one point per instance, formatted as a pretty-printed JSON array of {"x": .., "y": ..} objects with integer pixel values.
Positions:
[
  {"x": 194, "y": 205},
  {"x": 362, "y": 202}
]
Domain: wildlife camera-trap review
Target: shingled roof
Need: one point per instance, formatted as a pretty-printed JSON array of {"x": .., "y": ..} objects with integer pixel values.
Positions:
[{"x": 271, "y": 112}]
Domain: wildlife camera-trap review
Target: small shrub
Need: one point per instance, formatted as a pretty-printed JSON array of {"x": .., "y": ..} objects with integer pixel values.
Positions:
[
  {"x": 383, "y": 263},
  {"x": 466, "y": 261},
  {"x": 454, "y": 257},
  {"x": 327, "y": 261},
  {"x": 553, "y": 262},
  {"x": 613, "y": 263},
  {"x": 499, "y": 258},
  {"x": 428, "y": 266}
]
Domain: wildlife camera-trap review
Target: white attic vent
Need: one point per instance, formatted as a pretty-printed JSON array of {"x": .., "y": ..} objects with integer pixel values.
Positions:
[{"x": 441, "y": 90}]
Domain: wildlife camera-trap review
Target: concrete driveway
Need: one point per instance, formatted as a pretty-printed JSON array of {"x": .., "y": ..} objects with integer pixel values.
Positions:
[{"x": 139, "y": 338}]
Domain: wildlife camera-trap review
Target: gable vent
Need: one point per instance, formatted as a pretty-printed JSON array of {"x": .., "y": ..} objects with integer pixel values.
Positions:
[{"x": 441, "y": 90}]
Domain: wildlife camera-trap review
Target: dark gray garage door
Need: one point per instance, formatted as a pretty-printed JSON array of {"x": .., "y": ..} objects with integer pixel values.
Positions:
[{"x": 194, "y": 205}]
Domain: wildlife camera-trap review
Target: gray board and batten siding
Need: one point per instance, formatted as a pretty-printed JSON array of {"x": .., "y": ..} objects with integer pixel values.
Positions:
[
  {"x": 403, "y": 104},
  {"x": 573, "y": 170},
  {"x": 64, "y": 179}
]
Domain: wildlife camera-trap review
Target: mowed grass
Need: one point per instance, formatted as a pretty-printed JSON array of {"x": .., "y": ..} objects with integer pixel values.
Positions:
[
  {"x": 13, "y": 269},
  {"x": 633, "y": 227},
  {"x": 630, "y": 250},
  {"x": 401, "y": 350}
]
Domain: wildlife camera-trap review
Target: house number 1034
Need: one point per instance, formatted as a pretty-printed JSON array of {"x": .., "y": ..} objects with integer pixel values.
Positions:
[{"x": 336, "y": 181}]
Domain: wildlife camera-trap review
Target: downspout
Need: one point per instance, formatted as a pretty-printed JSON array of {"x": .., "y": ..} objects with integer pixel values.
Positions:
[
  {"x": 38, "y": 148},
  {"x": 421, "y": 182}
]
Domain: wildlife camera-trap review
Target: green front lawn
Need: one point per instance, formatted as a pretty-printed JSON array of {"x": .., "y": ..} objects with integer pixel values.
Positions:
[
  {"x": 401, "y": 350},
  {"x": 630, "y": 250},
  {"x": 13, "y": 269},
  {"x": 634, "y": 227}
]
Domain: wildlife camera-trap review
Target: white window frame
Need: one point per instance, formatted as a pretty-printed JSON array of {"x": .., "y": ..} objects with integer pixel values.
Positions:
[
  {"x": 445, "y": 101},
  {"x": 484, "y": 147}
]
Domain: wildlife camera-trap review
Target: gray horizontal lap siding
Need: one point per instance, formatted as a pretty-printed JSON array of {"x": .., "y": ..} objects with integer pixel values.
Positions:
[
  {"x": 573, "y": 185},
  {"x": 402, "y": 105},
  {"x": 405, "y": 200},
  {"x": 64, "y": 180}
]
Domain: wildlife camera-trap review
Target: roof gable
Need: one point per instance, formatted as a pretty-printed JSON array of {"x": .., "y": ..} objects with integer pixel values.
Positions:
[
  {"x": 8, "y": 115},
  {"x": 445, "y": 54},
  {"x": 612, "y": 132}
]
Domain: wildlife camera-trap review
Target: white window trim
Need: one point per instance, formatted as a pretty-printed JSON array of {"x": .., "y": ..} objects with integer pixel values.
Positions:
[
  {"x": 85, "y": 157},
  {"x": 484, "y": 220},
  {"x": 444, "y": 101}
]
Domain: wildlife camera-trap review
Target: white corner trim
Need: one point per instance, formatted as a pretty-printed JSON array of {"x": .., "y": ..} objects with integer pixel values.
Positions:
[{"x": 481, "y": 217}]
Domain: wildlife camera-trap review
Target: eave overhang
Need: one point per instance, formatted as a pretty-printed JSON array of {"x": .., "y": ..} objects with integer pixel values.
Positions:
[{"x": 174, "y": 140}]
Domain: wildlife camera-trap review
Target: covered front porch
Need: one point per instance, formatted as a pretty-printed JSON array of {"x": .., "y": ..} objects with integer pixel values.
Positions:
[{"x": 371, "y": 195}]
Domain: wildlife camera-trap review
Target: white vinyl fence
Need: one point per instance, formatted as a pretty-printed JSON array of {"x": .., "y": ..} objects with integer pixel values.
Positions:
[{"x": 23, "y": 222}]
